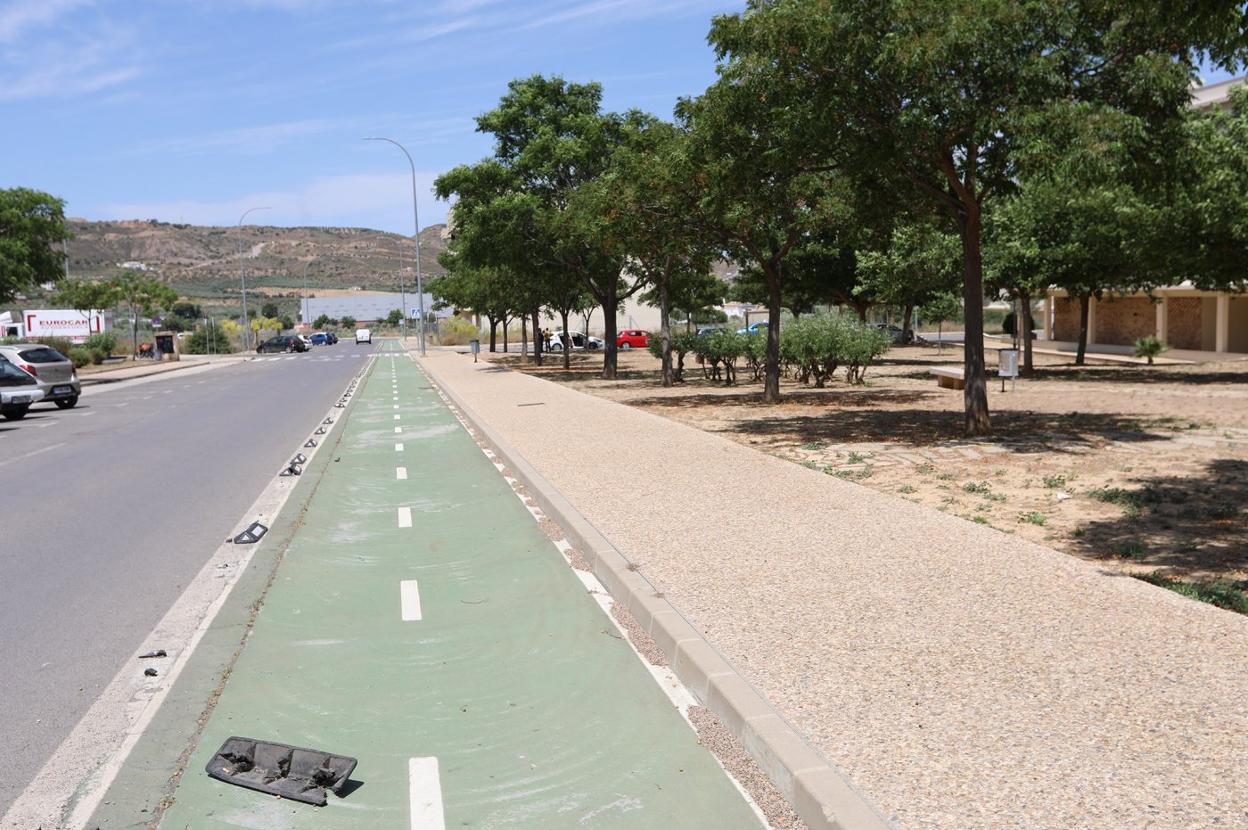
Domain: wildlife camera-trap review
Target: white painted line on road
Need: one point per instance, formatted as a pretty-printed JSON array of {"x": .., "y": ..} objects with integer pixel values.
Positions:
[
  {"x": 88, "y": 414},
  {"x": 409, "y": 602},
  {"x": 400, "y": 473},
  {"x": 398, "y": 430},
  {"x": 47, "y": 424},
  {"x": 48, "y": 448},
  {"x": 405, "y": 517},
  {"x": 119, "y": 405},
  {"x": 425, "y": 793},
  {"x": 398, "y": 448}
]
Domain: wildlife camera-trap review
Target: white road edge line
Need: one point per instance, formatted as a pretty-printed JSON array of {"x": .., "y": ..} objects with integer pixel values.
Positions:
[
  {"x": 425, "y": 794},
  {"x": 115, "y": 722},
  {"x": 48, "y": 448},
  {"x": 409, "y": 600},
  {"x": 405, "y": 517},
  {"x": 400, "y": 473}
]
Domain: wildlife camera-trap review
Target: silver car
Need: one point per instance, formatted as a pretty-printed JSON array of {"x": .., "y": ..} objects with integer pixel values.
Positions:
[
  {"x": 53, "y": 370},
  {"x": 18, "y": 390}
]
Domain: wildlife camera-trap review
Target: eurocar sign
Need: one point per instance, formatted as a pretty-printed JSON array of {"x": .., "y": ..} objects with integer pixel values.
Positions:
[{"x": 66, "y": 322}]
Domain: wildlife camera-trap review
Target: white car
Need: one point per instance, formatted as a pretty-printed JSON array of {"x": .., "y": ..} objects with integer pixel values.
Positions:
[
  {"x": 579, "y": 341},
  {"x": 18, "y": 390},
  {"x": 363, "y": 336}
]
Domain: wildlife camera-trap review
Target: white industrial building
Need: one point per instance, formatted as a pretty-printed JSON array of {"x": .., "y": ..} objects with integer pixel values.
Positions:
[{"x": 368, "y": 306}]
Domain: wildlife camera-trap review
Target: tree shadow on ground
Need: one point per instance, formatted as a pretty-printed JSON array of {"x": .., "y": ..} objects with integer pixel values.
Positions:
[
  {"x": 1017, "y": 431},
  {"x": 708, "y": 394},
  {"x": 1190, "y": 526},
  {"x": 1141, "y": 374}
]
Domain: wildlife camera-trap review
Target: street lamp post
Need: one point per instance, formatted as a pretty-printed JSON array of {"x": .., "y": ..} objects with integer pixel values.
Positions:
[
  {"x": 307, "y": 310},
  {"x": 420, "y": 287},
  {"x": 242, "y": 280}
]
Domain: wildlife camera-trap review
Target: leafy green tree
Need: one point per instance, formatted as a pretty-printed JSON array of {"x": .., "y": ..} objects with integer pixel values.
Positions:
[
  {"x": 514, "y": 211},
  {"x": 394, "y": 317},
  {"x": 143, "y": 296},
  {"x": 696, "y": 297},
  {"x": 322, "y": 321},
  {"x": 761, "y": 183},
  {"x": 31, "y": 225},
  {"x": 935, "y": 101},
  {"x": 941, "y": 308},
  {"x": 347, "y": 322},
  {"x": 920, "y": 263},
  {"x": 86, "y": 296},
  {"x": 208, "y": 339},
  {"x": 270, "y": 310},
  {"x": 187, "y": 311},
  {"x": 642, "y": 201}
]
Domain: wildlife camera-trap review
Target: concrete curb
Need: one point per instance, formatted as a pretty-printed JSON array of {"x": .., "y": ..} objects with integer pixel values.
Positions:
[
  {"x": 821, "y": 794},
  {"x": 158, "y": 369}
]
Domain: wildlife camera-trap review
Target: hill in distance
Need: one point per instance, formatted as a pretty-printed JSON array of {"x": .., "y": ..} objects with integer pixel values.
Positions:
[{"x": 201, "y": 261}]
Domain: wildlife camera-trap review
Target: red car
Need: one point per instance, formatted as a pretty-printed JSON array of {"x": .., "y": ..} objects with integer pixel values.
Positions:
[{"x": 631, "y": 339}]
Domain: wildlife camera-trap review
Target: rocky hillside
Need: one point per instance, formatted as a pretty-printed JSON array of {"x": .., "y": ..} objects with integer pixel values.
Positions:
[{"x": 203, "y": 261}]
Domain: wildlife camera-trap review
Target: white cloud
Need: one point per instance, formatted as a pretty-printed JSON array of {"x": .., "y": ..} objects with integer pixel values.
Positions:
[
  {"x": 377, "y": 200},
  {"x": 17, "y": 16},
  {"x": 245, "y": 140}
]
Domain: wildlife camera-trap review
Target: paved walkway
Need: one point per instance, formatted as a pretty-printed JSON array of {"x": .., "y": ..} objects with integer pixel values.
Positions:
[
  {"x": 962, "y": 677},
  {"x": 422, "y": 622}
]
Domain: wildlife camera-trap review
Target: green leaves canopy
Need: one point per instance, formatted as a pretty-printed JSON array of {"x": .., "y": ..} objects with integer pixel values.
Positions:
[{"x": 31, "y": 225}]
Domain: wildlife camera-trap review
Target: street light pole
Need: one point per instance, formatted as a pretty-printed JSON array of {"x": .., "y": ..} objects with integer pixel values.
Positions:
[
  {"x": 307, "y": 310},
  {"x": 420, "y": 287},
  {"x": 242, "y": 280}
]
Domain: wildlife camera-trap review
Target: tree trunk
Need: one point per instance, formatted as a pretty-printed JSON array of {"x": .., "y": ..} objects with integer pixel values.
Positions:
[
  {"x": 537, "y": 336},
  {"x": 610, "y": 305},
  {"x": 665, "y": 329},
  {"x": 907, "y": 323},
  {"x": 861, "y": 308},
  {"x": 565, "y": 344},
  {"x": 1027, "y": 325},
  {"x": 524, "y": 336},
  {"x": 975, "y": 395},
  {"x": 1085, "y": 301},
  {"x": 493, "y": 333},
  {"x": 506, "y": 325},
  {"x": 771, "y": 378}
]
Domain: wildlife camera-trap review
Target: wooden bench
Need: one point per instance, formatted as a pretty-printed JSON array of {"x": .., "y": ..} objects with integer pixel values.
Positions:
[{"x": 949, "y": 377}]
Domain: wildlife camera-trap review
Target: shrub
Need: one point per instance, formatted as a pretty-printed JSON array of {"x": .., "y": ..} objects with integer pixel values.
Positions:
[
  {"x": 1149, "y": 347},
  {"x": 719, "y": 352},
  {"x": 682, "y": 343},
  {"x": 818, "y": 344},
  {"x": 456, "y": 331},
  {"x": 347, "y": 322},
  {"x": 81, "y": 356},
  {"x": 104, "y": 342},
  {"x": 207, "y": 339},
  {"x": 322, "y": 321},
  {"x": 60, "y": 344}
]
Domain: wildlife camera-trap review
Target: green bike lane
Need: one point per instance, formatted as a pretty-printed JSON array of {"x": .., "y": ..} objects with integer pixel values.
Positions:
[{"x": 422, "y": 622}]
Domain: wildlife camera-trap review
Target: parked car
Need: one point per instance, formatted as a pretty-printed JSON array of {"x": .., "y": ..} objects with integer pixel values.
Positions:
[
  {"x": 754, "y": 328},
  {"x": 53, "y": 371},
  {"x": 900, "y": 337},
  {"x": 632, "y": 339},
  {"x": 282, "y": 343},
  {"x": 363, "y": 336},
  {"x": 323, "y": 338},
  {"x": 333, "y": 338},
  {"x": 307, "y": 341},
  {"x": 579, "y": 341},
  {"x": 18, "y": 390}
]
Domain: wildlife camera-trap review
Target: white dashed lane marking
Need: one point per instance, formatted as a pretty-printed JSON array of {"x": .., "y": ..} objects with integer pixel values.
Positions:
[{"x": 425, "y": 794}]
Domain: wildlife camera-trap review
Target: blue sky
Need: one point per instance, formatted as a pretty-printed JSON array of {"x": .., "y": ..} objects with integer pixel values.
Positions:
[{"x": 195, "y": 110}]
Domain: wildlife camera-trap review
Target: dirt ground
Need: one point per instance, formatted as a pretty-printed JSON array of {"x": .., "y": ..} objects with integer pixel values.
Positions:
[{"x": 1142, "y": 468}]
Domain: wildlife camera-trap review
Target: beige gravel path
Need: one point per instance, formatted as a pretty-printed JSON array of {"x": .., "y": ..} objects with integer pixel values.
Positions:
[{"x": 962, "y": 677}]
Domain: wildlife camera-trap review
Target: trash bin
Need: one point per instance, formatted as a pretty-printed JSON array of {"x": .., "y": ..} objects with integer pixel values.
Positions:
[
  {"x": 166, "y": 346},
  {"x": 474, "y": 346}
]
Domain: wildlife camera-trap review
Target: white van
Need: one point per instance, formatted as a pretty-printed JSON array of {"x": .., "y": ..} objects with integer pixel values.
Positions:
[{"x": 363, "y": 336}]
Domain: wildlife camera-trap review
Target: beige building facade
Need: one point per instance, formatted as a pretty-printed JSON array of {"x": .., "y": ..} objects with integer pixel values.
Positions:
[{"x": 1180, "y": 316}]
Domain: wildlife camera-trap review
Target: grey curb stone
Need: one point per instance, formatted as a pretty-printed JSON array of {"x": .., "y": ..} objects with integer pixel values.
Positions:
[{"x": 820, "y": 793}]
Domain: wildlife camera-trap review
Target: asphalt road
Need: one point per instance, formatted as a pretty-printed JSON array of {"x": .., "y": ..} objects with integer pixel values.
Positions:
[{"x": 108, "y": 510}]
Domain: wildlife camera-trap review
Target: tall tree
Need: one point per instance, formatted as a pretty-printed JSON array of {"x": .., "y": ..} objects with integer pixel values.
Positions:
[
  {"x": 32, "y": 224},
  {"x": 937, "y": 98},
  {"x": 641, "y": 206},
  {"x": 763, "y": 181},
  {"x": 920, "y": 262},
  {"x": 86, "y": 296},
  {"x": 142, "y": 296}
]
